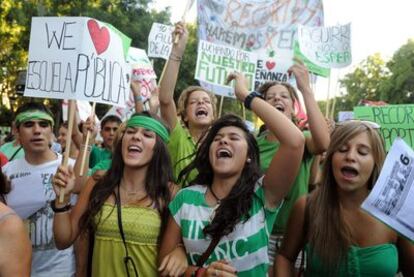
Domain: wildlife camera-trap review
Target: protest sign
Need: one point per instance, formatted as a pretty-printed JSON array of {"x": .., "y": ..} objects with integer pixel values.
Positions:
[
  {"x": 345, "y": 115},
  {"x": 83, "y": 108},
  {"x": 328, "y": 47},
  {"x": 266, "y": 27},
  {"x": 215, "y": 62},
  {"x": 395, "y": 121},
  {"x": 142, "y": 71},
  {"x": 393, "y": 194},
  {"x": 160, "y": 41},
  {"x": 315, "y": 69},
  {"x": 77, "y": 58},
  {"x": 273, "y": 67}
]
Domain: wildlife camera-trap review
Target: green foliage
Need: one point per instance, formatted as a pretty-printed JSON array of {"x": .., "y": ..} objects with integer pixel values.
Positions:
[
  {"x": 399, "y": 87},
  {"x": 366, "y": 80}
]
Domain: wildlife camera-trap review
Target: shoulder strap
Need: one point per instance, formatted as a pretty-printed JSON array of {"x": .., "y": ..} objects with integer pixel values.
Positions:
[
  {"x": 15, "y": 153},
  {"x": 127, "y": 258},
  {"x": 208, "y": 252}
]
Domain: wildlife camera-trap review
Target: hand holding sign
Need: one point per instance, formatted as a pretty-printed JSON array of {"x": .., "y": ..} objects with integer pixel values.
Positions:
[
  {"x": 181, "y": 32},
  {"x": 240, "y": 85},
  {"x": 301, "y": 74}
]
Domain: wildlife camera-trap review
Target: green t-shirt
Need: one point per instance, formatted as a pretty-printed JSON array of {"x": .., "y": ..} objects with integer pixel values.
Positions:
[
  {"x": 246, "y": 248},
  {"x": 181, "y": 147},
  {"x": 102, "y": 165},
  {"x": 9, "y": 150},
  {"x": 300, "y": 187},
  {"x": 98, "y": 154}
]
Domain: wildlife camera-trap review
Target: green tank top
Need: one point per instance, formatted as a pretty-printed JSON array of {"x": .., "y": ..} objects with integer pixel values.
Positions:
[
  {"x": 141, "y": 227},
  {"x": 378, "y": 260}
]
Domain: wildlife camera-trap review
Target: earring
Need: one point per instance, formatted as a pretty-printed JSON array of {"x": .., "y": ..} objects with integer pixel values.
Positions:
[{"x": 248, "y": 160}]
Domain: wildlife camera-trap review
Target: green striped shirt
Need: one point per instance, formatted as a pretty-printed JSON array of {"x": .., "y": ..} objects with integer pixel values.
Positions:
[{"x": 245, "y": 248}]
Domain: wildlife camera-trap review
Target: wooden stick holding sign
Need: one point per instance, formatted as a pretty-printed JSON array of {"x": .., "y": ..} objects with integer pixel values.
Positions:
[
  {"x": 71, "y": 119},
  {"x": 183, "y": 18},
  {"x": 327, "y": 97},
  {"x": 221, "y": 106},
  {"x": 88, "y": 136}
]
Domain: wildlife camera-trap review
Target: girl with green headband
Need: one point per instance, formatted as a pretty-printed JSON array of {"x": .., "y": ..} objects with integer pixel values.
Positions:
[{"x": 124, "y": 213}]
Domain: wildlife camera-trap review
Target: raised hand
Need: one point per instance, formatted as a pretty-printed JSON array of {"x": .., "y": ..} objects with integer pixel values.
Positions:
[
  {"x": 241, "y": 89},
  {"x": 63, "y": 178}
]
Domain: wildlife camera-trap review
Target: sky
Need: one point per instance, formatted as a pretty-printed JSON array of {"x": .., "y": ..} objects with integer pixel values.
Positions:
[{"x": 377, "y": 26}]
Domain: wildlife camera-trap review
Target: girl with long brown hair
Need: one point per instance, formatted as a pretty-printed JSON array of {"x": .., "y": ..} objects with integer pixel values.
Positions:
[{"x": 338, "y": 237}]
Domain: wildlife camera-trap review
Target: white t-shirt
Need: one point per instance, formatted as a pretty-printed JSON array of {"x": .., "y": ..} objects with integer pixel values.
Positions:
[{"x": 30, "y": 197}]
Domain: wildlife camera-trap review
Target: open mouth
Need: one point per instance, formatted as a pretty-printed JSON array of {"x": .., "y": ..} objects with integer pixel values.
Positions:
[
  {"x": 201, "y": 113},
  {"x": 224, "y": 154},
  {"x": 349, "y": 171},
  {"x": 134, "y": 149},
  {"x": 280, "y": 107},
  {"x": 37, "y": 140}
]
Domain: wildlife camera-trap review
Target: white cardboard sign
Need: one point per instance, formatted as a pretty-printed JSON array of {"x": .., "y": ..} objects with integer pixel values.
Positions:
[
  {"x": 160, "y": 41},
  {"x": 77, "y": 58}
]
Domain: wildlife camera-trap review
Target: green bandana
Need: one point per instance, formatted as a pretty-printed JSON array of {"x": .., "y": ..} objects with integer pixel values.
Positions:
[
  {"x": 150, "y": 124},
  {"x": 35, "y": 114}
]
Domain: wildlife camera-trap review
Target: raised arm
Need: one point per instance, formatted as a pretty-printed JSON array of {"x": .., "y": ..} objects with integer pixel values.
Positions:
[
  {"x": 293, "y": 241},
  {"x": 319, "y": 141},
  {"x": 66, "y": 224},
  {"x": 285, "y": 164},
  {"x": 169, "y": 78},
  {"x": 136, "y": 91}
]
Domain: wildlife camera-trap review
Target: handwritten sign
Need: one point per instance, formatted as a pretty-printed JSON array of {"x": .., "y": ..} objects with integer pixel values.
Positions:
[
  {"x": 345, "y": 115},
  {"x": 215, "y": 62},
  {"x": 267, "y": 27},
  {"x": 160, "y": 41},
  {"x": 77, "y": 58},
  {"x": 393, "y": 194},
  {"x": 326, "y": 46},
  {"x": 273, "y": 67},
  {"x": 395, "y": 121},
  {"x": 314, "y": 68}
]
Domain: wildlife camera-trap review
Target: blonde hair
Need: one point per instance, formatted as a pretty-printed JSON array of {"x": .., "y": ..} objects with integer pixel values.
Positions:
[
  {"x": 183, "y": 101},
  {"x": 329, "y": 235}
]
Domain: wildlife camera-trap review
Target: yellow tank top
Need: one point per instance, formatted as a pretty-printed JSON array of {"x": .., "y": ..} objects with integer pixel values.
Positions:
[{"x": 141, "y": 227}]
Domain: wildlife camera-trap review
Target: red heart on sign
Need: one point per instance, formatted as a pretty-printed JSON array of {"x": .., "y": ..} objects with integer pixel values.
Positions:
[
  {"x": 100, "y": 36},
  {"x": 270, "y": 65}
]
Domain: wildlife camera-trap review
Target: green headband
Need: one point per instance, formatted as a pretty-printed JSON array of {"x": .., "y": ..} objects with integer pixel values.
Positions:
[
  {"x": 150, "y": 124},
  {"x": 34, "y": 114}
]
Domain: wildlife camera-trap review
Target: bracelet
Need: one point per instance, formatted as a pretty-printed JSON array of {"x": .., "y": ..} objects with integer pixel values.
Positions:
[
  {"x": 175, "y": 57},
  {"x": 87, "y": 147},
  {"x": 199, "y": 272},
  {"x": 138, "y": 98},
  {"x": 248, "y": 100},
  {"x": 66, "y": 208}
]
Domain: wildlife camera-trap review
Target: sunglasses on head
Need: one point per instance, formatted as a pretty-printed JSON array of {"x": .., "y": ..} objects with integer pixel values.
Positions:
[{"x": 367, "y": 123}]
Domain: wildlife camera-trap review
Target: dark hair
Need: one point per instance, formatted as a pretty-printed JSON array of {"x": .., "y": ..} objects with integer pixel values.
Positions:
[
  {"x": 33, "y": 106},
  {"x": 110, "y": 118},
  {"x": 4, "y": 187},
  {"x": 158, "y": 178},
  {"x": 235, "y": 207}
]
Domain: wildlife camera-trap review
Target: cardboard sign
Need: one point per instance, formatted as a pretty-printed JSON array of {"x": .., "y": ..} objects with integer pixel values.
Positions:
[
  {"x": 77, "y": 58},
  {"x": 328, "y": 47},
  {"x": 160, "y": 41},
  {"x": 314, "y": 68},
  {"x": 345, "y": 115},
  {"x": 395, "y": 121},
  {"x": 142, "y": 71},
  {"x": 391, "y": 199},
  {"x": 273, "y": 67},
  {"x": 215, "y": 62},
  {"x": 267, "y": 27}
]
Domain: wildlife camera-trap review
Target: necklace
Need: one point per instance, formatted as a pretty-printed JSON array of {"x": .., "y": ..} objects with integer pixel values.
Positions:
[{"x": 215, "y": 196}]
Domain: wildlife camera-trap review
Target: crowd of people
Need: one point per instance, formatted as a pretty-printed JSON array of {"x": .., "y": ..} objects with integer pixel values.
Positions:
[{"x": 187, "y": 192}]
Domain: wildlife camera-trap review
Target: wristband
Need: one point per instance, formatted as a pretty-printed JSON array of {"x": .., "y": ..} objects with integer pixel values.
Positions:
[
  {"x": 248, "y": 100},
  {"x": 175, "y": 57},
  {"x": 137, "y": 98},
  {"x": 66, "y": 208}
]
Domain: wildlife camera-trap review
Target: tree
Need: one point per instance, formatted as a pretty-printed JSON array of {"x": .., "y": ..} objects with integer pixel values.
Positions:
[
  {"x": 366, "y": 80},
  {"x": 399, "y": 87}
]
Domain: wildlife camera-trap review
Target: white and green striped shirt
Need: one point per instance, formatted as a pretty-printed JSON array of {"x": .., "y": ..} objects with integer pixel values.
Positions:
[{"x": 245, "y": 248}]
